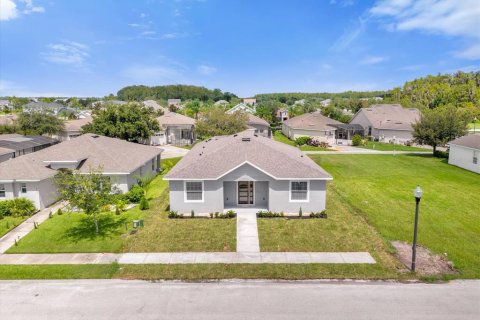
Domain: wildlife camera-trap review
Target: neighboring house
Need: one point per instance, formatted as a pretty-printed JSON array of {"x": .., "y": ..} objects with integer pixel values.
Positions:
[
  {"x": 300, "y": 102},
  {"x": 8, "y": 119},
  {"x": 387, "y": 122},
  {"x": 5, "y": 105},
  {"x": 325, "y": 103},
  {"x": 246, "y": 170},
  {"x": 261, "y": 126},
  {"x": 282, "y": 115},
  {"x": 51, "y": 107},
  {"x": 101, "y": 103},
  {"x": 465, "y": 152},
  {"x": 175, "y": 129},
  {"x": 72, "y": 129},
  {"x": 177, "y": 103},
  {"x": 242, "y": 107},
  {"x": 250, "y": 101},
  {"x": 313, "y": 124},
  {"x": 155, "y": 106},
  {"x": 30, "y": 176},
  {"x": 21, "y": 145},
  {"x": 84, "y": 114},
  {"x": 221, "y": 103}
]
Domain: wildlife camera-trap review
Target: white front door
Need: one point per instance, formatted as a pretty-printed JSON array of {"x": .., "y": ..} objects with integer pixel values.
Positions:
[{"x": 245, "y": 192}]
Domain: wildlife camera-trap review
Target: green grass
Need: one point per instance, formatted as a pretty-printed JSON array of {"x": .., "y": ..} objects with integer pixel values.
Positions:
[
  {"x": 8, "y": 223},
  {"x": 381, "y": 146},
  {"x": 18, "y": 272},
  {"x": 280, "y": 137},
  {"x": 380, "y": 188}
]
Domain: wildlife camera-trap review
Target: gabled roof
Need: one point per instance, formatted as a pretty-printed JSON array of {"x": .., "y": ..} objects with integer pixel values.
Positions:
[
  {"x": 254, "y": 120},
  {"x": 114, "y": 155},
  {"x": 469, "y": 141},
  {"x": 390, "y": 116},
  {"x": 215, "y": 157},
  {"x": 77, "y": 124},
  {"x": 311, "y": 121},
  {"x": 8, "y": 119},
  {"x": 241, "y": 107},
  {"x": 173, "y": 118},
  {"x": 155, "y": 105}
]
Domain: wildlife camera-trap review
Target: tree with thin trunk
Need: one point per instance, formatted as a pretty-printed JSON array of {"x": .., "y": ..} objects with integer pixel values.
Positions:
[{"x": 87, "y": 192}]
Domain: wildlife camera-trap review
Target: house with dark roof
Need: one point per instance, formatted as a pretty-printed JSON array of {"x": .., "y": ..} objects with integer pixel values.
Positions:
[
  {"x": 16, "y": 145},
  {"x": 246, "y": 170},
  {"x": 50, "y": 107},
  {"x": 175, "y": 129},
  {"x": 30, "y": 176},
  {"x": 465, "y": 152},
  {"x": 313, "y": 124},
  {"x": 387, "y": 122}
]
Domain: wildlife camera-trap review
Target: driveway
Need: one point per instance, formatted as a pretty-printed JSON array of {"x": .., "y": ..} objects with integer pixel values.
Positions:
[
  {"x": 172, "y": 151},
  {"x": 119, "y": 299}
]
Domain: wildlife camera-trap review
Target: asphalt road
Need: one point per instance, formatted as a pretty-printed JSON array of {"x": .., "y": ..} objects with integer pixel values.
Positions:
[{"x": 117, "y": 299}]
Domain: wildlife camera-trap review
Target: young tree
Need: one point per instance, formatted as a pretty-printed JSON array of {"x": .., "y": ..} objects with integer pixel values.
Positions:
[
  {"x": 87, "y": 192},
  {"x": 131, "y": 122},
  {"x": 439, "y": 126},
  {"x": 39, "y": 123},
  {"x": 216, "y": 122},
  {"x": 194, "y": 107}
]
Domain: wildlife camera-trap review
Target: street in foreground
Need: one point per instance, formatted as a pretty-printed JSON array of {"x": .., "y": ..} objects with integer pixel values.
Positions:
[{"x": 119, "y": 299}]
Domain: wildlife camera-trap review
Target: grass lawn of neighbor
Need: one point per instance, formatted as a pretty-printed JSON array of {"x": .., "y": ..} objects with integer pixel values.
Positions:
[
  {"x": 74, "y": 232},
  {"x": 381, "y": 146},
  {"x": 8, "y": 223},
  {"x": 380, "y": 188},
  {"x": 280, "y": 137}
]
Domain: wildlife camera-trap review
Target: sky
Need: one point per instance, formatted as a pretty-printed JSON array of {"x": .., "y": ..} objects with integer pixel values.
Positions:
[{"x": 96, "y": 47}]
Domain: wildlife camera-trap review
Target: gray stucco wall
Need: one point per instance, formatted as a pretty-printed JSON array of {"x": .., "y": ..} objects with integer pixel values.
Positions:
[{"x": 269, "y": 193}]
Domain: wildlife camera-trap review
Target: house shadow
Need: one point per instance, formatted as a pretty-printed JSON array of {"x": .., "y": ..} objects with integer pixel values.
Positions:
[{"x": 109, "y": 226}]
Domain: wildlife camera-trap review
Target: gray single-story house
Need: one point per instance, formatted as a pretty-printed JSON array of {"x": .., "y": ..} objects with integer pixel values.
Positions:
[
  {"x": 30, "y": 176},
  {"x": 313, "y": 124},
  {"x": 175, "y": 129},
  {"x": 261, "y": 126},
  {"x": 246, "y": 171},
  {"x": 72, "y": 129},
  {"x": 387, "y": 122},
  {"x": 465, "y": 152}
]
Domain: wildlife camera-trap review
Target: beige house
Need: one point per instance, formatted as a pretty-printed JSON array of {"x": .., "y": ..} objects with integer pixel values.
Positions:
[
  {"x": 175, "y": 129},
  {"x": 30, "y": 176},
  {"x": 72, "y": 129},
  {"x": 465, "y": 152},
  {"x": 155, "y": 106},
  {"x": 314, "y": 125},
  {"x": 387, "y": 122},
  {"x": 251, "y": 101}
]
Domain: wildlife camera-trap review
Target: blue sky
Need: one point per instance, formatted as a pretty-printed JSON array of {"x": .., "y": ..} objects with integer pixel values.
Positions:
[{"x": 95, "y": 47}]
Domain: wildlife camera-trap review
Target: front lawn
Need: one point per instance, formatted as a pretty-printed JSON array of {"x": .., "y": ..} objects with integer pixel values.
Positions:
[
  {"x": 382, "y": 146},
  {"x": 8, "y": 223},
  {"x": 380, "y": 189},
  {"x": 75, "y": 232}
]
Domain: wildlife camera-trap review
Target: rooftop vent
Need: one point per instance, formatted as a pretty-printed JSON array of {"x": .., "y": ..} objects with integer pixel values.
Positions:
[
  {"x": 246, "y": 139},
  {"x": 95, "y": 137},
  {"x": 235, "y": 135}
]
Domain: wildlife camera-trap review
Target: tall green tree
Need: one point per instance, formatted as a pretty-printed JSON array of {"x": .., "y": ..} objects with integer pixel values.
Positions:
[
  {"x": 216, "y": 122},
  {"x": 87, "y": 192},
  {"x": 194, "y": 107},
  {"x": 132, "y": 122},
  {"x": 439, "y": 126},
  {"x": 39, "y": 123}
]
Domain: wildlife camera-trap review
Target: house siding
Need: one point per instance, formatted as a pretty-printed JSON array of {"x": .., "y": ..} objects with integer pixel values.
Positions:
[
  {"x": 320, "y": 135},
  {"x": 269, "y": 193},
  {"x": 463, "y": 157}
]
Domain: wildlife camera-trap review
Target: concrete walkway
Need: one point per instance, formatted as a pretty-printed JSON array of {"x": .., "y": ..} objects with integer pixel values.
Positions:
[
  {"x": 172, "y": 151},
  {"x": 25, "y": 227},
  {"x": 247, "y": 232},
  {"x": 191, "y": 258}
]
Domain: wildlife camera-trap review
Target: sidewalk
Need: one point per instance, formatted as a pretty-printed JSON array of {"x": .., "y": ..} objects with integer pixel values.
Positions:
[
  {"x": 190, "y": 258},
  {"x": 25, "y": 227},
  {"x": 247, "y": 232}
]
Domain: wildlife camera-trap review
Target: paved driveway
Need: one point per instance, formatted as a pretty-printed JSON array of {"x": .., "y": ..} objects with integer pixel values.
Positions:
[{"x": 172, "y": 152}]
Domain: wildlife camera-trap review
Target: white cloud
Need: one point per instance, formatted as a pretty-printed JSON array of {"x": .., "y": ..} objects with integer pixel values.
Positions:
[
  {"x": 460, "y": 18},
  {"x": 31, "y": 8},
  {"x": 206, "y": 70},
  {"x": 67, "y": 53},
  {"x": 351, "y": 33},
  {"x": 8, "y": 10},
  {"x": 373, "y": 60}
]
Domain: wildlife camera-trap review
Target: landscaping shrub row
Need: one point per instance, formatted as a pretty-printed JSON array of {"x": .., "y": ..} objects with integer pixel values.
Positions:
[
  {"x": 213, "y": 215},
  {"x": 270, "y": 214},
  {"x": 17, "y": 207}
]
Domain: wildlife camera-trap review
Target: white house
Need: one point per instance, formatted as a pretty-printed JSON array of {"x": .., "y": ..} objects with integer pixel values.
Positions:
[
  {"x": 465, "y": 152},
  {"x": 261, "y": 126},
  {"x": 30, "y": 176},
  {"x": 246, "y": 171},
  {"x": 242, "y": 107},
  {"x": 175, "y": 129},
  {"x": 314, "y": 125},
  {"x": 387, "y": 122}
]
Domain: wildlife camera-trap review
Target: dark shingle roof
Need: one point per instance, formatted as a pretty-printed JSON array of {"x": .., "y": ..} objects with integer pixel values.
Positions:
[{"x": 469, "y": 141}]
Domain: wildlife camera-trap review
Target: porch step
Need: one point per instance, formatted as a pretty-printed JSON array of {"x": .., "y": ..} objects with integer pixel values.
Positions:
[{"x": 247, "y": 232}]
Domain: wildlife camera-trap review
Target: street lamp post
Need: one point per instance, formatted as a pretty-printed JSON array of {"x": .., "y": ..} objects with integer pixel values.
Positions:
[
  {"x": 474, "y": 122},
  {"x": 418, "y": 195}
]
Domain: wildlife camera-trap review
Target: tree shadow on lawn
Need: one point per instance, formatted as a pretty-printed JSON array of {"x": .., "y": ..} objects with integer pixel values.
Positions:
[{"x": 108, "y": 225}]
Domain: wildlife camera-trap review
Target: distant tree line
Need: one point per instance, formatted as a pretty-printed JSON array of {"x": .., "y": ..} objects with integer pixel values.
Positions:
[{"x": 184, "y": 92}]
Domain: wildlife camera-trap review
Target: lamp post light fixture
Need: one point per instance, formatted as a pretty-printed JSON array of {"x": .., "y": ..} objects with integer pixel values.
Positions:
[{"x": 417, "y": 193}]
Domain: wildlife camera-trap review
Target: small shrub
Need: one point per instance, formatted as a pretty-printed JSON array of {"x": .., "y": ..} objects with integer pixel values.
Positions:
[
  {"x": 318, "y": 215},
  {"x": 301, "y": 141},
  {"x": 269, "y": 214},
  {"x": 300, "y": 212},
  {"x": 135, "y": 194},
  {"x": 121, "y": 205},
  {"x": 192, "y": 214},
  {"x": 440, "y": 154},
  {"x": 231, "y": 214},
  {"x": 211, "y": 215},
  {"x": 117, "y": 211},
  {"x": 50, "y": 215},
  {"x": 59, "y": 212},
  {"x": 144, "y": 205},
  {"x": 173, "y": 214},
  {"x": 357, "y": 140},
  {"x": 217, "y": 214},
  {"x": 5, "y": 208}
]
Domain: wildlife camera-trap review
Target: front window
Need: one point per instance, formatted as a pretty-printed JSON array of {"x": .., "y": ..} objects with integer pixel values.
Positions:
[
  {"x": 185, "y": 134},
  {"x": 23, "y": 188},
  {"x": 194, "y": 191},
  {"x": 2, "y": 191},
  {"x": 299, "y": 190}
]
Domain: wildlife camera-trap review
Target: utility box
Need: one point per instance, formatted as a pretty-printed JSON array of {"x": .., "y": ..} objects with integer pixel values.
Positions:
[
  {"x": 136, "y": 223},
  {"x": 141, "y": 223}
]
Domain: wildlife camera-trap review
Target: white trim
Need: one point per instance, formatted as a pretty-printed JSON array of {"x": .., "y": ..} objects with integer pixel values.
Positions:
[
  {"x": 290, "y": 191},
  {"x": 185, "y": 191},
  {"x": 241, "y": 164}
]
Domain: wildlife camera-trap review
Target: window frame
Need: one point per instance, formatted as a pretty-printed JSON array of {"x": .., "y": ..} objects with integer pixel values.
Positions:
[
  {"x": 290, "y": 191},
  {"x": 3, "y": 190},
  {"x": 22, "y": 185},
  {"x": 185, "y": 192}
]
